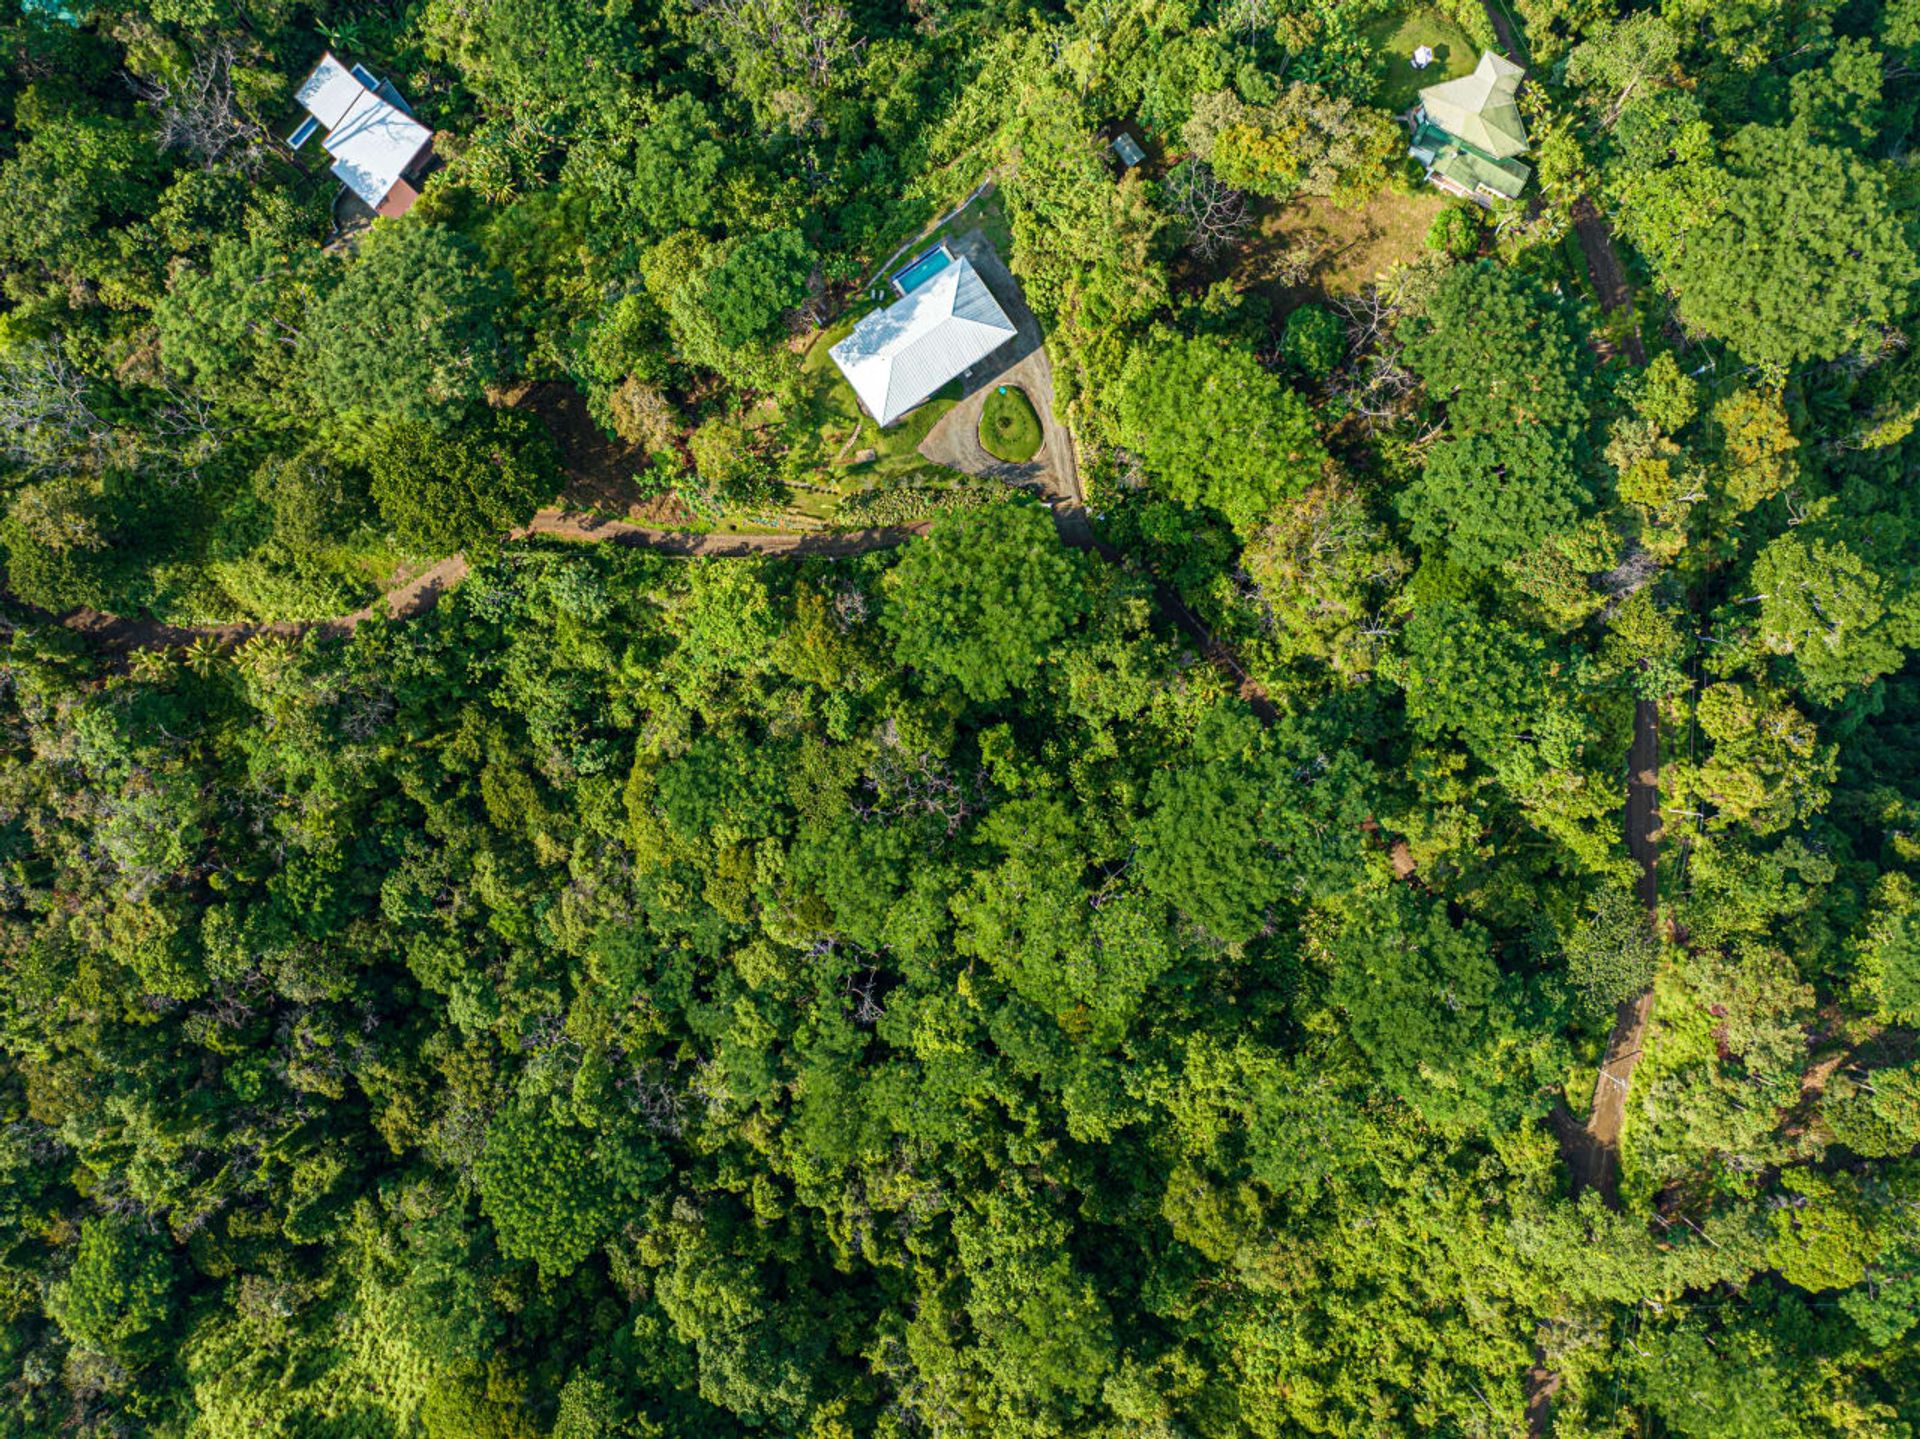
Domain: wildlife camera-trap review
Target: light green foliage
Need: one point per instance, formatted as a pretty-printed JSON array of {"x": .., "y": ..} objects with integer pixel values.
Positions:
[
  {"x": 679, "y": 275},
  {"x": 1820, "y": 1235},
  {"x": 1010, "y": 430},
  {"x": 1830, "y": 610},
  {"x": 1888, "y": 951},
  {"x": 1612, "y": 954},
  {"x": 1766, "y": 769},
  {"x": 1305, "y": 141},
  {"x": 1215, "y": 429},
  {"x": 1824, "y": 264},
  {"x": 983, "y": 598},
  {"x": 1325, "y": 564},
  {"x": 1876, "y": 1115},
  {"x": 1456, "y": 231}
]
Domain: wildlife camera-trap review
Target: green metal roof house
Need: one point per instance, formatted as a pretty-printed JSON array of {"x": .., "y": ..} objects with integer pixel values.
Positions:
[{"x": 1467, "y": 132}]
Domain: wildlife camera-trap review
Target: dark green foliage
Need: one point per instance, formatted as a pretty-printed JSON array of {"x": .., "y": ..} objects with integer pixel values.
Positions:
[
  {"x": 556, "y": 55},
  {"x": 117, "y": 1299},
  {"x": 1494, "y": 349},
  {"x": 540, "y": 1187},
  {"x": 1314, "y": 341},
  {"x": 443, "y": 492},
  {"x": 411, "y": 333},
  {"x": 1417, "y": 992}
]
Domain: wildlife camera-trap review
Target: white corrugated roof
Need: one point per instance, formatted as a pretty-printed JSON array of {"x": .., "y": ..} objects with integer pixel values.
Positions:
[
  {"x": 330, "y": 91},
  {"x": 373, "y": 146},
  {"x": 898, "y": 356}
]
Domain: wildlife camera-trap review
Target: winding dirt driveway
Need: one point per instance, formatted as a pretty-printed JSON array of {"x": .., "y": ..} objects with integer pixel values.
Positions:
[{"x": 1022, "y": 363}]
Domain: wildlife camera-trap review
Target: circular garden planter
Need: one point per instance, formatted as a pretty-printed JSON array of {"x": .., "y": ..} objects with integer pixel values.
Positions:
[{"x": 1010, "y": 427}]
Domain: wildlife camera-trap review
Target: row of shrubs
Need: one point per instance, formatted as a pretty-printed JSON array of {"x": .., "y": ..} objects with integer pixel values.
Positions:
[{"x": 903, "y": 504}]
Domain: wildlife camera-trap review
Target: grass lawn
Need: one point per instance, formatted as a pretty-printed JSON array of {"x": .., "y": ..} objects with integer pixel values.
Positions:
[
  {"x": 1395, "y": 35},
  {"x": 1009, "y": 427},
  {"x": 828, "y": 422},
  {"x": 846, "y": 430},
  {"x": 1352, "y": 248}
]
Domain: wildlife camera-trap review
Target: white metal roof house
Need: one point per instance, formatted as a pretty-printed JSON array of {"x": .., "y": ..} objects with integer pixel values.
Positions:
[
  {"x": 376, "y": 144},
  {"x": 947, "y": 323}
]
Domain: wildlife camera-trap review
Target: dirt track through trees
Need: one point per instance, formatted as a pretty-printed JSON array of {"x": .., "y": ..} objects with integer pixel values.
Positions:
[{"x": 420, "y": 594}]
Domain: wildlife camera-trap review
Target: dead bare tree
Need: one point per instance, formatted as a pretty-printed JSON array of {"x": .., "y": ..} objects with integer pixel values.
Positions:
[
  {"x": 1376, "y": 386},
  {"x": 804, "y": 41},
  {"x": 46, "y": 423},
  {"x": 1248, "y": 18},
  {"x": 199, "y": 114},
  {"x": 905, "y": 782},
  {"x": 1213, "y": 213}
]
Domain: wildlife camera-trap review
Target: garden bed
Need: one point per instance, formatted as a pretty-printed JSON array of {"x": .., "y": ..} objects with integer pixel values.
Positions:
[{"x": 1010, "y": 428}]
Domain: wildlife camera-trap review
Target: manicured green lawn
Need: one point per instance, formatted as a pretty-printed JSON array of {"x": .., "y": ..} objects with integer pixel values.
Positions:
[
  {"x": 1009, "y": 427},
  {"x": 1394, "y": 37}
]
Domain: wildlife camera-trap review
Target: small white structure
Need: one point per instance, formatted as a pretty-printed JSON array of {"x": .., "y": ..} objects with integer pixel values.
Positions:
[
  {"x": 898, "y": 356},
  {"x": 1128, "y": 149},
  {"x": 1422, "y": 56},
  {"x": 376, "y": 144}
]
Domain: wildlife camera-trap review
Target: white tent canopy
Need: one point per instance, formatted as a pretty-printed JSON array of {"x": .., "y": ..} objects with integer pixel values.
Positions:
[{"x": 898, "y": 356}]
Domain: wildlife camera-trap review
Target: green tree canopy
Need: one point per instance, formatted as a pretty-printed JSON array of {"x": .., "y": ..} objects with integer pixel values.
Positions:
[
  {"x": 548, "y": 1200},
  {"x": 443, "y": 493},
  {"x": 118, "y": 1297},
  {"x": 411, "y": 332},
  {"x": 1214, "y": 428},
  {"x": 983, "y": 598},
  {"x": 1804, "y": 258},
  {"x": 1494, "y": 348},
  {"x": 761, "y": 278}
]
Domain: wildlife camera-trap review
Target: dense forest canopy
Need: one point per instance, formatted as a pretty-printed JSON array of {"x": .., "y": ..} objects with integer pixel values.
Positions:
[{"x": 1150, "y": 938}]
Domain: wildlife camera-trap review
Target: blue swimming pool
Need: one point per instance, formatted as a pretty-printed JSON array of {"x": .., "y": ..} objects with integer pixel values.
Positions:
[{"x": 923, "y": 269}]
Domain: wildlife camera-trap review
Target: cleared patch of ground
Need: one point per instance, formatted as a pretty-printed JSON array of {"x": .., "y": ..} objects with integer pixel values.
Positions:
[
  {"x": 1009, "y": 427},
  {"x": 599, "y": 471},
  {"x": 1396, "y": 35},
  {"x": 1311, "y": 249}
]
